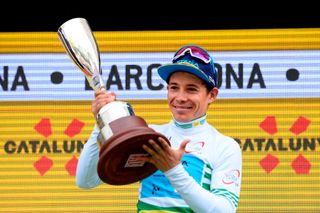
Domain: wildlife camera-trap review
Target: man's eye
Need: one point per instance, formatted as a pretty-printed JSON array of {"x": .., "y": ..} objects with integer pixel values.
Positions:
[{"x": 192, "y": 89}]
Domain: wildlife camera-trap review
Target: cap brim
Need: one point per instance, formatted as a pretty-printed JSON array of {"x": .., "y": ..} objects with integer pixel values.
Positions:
[{"x": 166, "y": 70}]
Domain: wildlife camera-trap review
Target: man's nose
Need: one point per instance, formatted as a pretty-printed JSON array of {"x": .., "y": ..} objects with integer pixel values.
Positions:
[{"x": 181, "y": 96}]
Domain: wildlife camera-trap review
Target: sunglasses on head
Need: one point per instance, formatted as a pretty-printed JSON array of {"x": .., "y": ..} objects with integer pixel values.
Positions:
[{"x": 194, "y": 52}]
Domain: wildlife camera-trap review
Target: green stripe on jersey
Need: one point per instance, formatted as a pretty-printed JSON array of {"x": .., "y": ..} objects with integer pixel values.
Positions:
[
  {"x": 229, "y": 195},
  {"x": 142, "y": 206}
]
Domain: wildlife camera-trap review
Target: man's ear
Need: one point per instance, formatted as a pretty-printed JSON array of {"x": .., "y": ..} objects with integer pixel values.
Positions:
[{"x": 213, "y": 94}]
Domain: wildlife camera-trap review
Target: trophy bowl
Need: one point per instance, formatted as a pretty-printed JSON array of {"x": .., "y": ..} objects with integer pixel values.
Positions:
[{"x": 122, "y": 133}]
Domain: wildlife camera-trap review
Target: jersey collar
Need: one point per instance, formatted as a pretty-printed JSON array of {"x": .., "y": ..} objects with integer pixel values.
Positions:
[{"x": 191, "y": 124}]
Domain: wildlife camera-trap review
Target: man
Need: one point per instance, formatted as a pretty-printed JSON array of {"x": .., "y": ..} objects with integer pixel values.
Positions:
[{"x": 201, "y": 170}]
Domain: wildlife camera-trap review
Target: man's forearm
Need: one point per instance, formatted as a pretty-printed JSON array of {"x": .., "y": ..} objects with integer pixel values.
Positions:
[{"x": 199, "y": 199}]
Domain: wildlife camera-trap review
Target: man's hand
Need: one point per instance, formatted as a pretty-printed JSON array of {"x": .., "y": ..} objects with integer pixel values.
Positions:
[
  {"x": 102, "y": 97},
  {"x": 165, "y": 157}
]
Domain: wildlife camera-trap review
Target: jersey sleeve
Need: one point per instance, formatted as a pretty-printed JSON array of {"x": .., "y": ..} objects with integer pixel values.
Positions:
[
  {"x": 86, "y": 174},
  {"x": 226, "y": 177},
  {"x": 224, "y": 191}
]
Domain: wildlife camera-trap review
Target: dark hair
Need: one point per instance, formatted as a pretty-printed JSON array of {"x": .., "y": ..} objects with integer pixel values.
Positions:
[{"x": 209, "y": 87}]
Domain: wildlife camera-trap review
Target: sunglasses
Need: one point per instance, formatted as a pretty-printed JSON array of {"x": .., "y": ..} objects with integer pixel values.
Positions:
[{"x": 194, "y": 52}]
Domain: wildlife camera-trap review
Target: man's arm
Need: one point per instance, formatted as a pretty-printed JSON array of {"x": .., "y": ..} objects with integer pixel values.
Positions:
[
  {"x": 225, "y": 186},
  {"x": 86, "y": 175}
]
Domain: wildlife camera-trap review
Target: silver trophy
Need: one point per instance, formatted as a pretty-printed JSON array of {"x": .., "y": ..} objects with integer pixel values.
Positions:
[{"x": 122, "y": 134}]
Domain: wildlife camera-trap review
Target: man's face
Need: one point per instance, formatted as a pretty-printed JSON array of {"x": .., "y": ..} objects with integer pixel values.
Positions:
[{"x": 188, "y": 97}]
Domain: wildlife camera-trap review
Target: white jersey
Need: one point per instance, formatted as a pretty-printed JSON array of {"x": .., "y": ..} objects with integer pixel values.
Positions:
[{"x": 207, "y": 180}]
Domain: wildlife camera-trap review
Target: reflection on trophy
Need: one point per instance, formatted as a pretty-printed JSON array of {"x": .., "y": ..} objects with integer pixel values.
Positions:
[{"x": 122, "y": 134}]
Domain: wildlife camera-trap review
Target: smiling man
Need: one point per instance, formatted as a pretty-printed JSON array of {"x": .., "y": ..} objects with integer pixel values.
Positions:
[
  {"x": 201, "y": 170},
  {"x": 188, "y": 97}
]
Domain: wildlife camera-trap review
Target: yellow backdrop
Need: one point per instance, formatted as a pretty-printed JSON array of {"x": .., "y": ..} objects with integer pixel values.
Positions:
[{"x": 40, "y": 141}]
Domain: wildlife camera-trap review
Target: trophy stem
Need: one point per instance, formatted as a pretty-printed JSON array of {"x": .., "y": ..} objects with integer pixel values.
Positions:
[{"x": 97, "y": 82}]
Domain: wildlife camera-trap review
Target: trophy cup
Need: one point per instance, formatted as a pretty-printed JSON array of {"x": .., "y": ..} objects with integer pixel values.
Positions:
[{"x": 122, "y": 134}]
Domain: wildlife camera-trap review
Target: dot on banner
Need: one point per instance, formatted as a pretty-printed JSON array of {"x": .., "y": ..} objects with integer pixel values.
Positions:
[
  {"x": 56, "y": 77},
  {"x": 292, "y": 74}
]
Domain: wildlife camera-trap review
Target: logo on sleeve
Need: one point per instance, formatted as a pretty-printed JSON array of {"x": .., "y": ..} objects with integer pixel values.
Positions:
[{"x": 231, "y": 177}]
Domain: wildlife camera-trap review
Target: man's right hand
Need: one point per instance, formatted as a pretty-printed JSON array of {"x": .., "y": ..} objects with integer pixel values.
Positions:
[{"x": 102, "y": 97}]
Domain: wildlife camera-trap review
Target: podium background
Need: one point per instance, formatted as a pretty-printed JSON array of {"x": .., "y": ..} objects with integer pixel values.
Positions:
[
  {"x": 43, "y": 127},
  {"x": 45, "y": 119}
]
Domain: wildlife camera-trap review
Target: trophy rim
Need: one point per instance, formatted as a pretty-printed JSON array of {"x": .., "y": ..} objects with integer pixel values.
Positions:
[{"x": 63, "y": 25}]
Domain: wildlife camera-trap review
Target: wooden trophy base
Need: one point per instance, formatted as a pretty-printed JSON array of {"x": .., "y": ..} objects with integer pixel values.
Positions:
[{"x": 117, "y": 164}]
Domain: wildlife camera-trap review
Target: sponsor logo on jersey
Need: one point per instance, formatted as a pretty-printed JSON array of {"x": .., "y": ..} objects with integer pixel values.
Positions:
[
  {"x": 194, "y": 147},
  {"x": 232, "y": 177}
]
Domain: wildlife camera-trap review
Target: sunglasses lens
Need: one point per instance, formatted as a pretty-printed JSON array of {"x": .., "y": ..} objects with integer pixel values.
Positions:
[
  {"x": 195, "y": 52},
  {"x": 200, "y": 54}
]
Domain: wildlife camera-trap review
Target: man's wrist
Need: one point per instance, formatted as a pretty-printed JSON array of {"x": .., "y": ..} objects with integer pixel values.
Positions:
[{"x": 174, "y": 171}]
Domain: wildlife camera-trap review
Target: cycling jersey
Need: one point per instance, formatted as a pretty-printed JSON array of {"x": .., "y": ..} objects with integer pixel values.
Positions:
[{"x": 208, "y": 179}]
